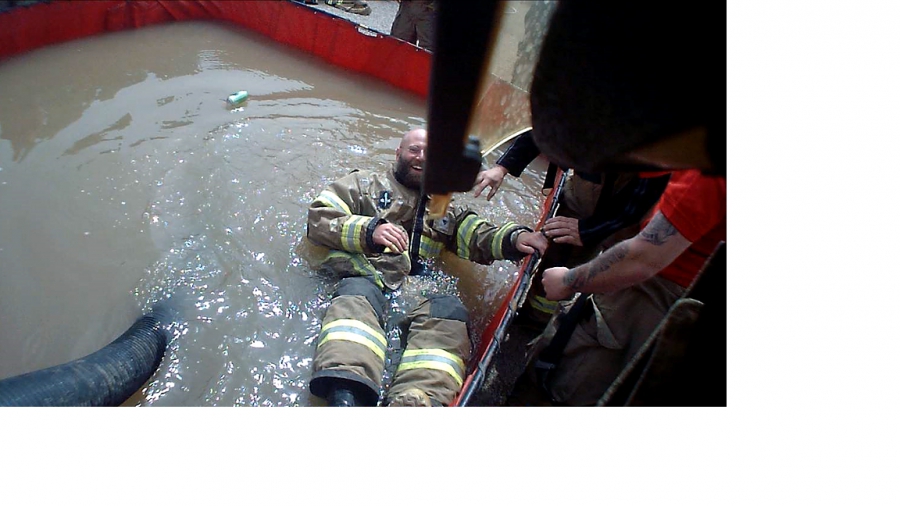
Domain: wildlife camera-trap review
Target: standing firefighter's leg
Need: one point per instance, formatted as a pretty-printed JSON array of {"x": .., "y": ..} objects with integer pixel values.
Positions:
[
  {"x": 433, "y": 365},
  {"x": 351, "y": 349}
]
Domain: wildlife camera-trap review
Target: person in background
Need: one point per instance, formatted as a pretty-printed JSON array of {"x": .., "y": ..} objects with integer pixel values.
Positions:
[
  {"x": 594, "y": 210},
  {"x": 376, "y": 229},
  {"x": 414, "y": 22}
]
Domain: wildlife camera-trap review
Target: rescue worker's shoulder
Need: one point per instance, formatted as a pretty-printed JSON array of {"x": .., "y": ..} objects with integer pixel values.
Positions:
[{"x": 359, "y": 184}]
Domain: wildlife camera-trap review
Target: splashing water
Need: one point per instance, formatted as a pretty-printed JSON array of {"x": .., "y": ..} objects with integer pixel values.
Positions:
[{"x": 139, "y": 185}]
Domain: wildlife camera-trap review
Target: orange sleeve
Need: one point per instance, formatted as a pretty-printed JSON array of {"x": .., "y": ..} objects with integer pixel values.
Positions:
[{"x": 693, "y": 203}]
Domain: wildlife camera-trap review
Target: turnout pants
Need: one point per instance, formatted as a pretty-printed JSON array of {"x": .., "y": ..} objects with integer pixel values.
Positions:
[
  {"x": 352, "y": 346},
  {"x": 610, "y": 331}
]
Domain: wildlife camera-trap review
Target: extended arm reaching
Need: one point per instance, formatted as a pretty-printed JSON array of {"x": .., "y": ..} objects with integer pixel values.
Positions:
[{"x": 627, "y": 263}]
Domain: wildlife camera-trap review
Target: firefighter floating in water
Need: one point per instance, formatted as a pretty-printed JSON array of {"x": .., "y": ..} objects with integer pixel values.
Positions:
[{"x": 376, "y": 228}]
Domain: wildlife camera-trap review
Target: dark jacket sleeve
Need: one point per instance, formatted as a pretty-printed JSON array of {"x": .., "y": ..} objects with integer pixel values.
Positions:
[
  {"x": 626, "y": 207},
  {"x": 522, "y": 152}
]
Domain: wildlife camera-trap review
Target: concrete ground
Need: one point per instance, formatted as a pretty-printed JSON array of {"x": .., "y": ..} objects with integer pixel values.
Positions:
[{"x": 380, "y": 20}]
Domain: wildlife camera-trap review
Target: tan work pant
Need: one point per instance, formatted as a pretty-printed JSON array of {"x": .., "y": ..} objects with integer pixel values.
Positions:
[{"x": 610, "y": 331}]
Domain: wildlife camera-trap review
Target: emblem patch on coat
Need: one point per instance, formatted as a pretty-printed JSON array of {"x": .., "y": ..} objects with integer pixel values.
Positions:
[
  {"x": 443, "y": 225},
  {"x": 384, "y": 200}
]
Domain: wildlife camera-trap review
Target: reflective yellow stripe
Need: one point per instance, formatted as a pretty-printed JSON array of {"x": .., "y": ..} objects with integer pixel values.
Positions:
[
  {"x": 435, "y": 359},
  {"x": 356, "y": 338},
  {"x": 361, "y": 265},
  {"x": 331, "y": 200},
  {"x": 430, "y": 248},
  {"x": 352, "y": 233},
  {"x": 465, "y": 234},
  {"x": 354, "y": 331},
  {"x": 356, "y": 324},
  {"x": 497, "y": 243},
  {"x": 543, "y": 305}
]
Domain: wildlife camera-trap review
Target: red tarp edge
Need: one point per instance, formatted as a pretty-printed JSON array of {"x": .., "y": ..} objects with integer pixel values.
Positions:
[
  {"x": 487, "y": 337},
  {"x": 334, "y": 39}
]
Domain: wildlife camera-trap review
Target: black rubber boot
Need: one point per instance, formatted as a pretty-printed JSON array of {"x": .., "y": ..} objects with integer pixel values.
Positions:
[
  {"x": 343, "y": 394},
  {"x": 342, "y": 398}
]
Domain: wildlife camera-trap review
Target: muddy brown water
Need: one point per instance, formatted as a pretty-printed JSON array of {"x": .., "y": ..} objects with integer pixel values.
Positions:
[{"x": 125, "y": 179}]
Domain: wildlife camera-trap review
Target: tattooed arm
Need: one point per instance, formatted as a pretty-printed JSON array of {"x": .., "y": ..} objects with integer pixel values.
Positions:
[{"x": 627, "y": 263}]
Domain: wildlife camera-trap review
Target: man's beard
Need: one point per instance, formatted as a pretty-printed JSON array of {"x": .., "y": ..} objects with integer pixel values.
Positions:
[{"x": 406, "y": 176}]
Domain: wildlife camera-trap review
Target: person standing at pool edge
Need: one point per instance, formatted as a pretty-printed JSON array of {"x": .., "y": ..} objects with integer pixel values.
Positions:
[
  {"x": 368, "y": 222},
  {"x": 414, "y": 22}
]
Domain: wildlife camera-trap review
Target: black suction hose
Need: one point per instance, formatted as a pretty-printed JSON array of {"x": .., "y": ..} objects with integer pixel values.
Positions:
[{"x": 107, "y": 377}]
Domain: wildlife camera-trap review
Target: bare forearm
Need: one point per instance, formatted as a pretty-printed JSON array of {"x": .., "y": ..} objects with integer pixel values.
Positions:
[
  {"x": 631, "y": 261},
  {"x": 614, "y": 269}
]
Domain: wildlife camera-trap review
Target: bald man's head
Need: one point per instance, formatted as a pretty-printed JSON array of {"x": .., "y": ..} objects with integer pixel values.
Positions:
[{"x": 411, "y": 158}]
